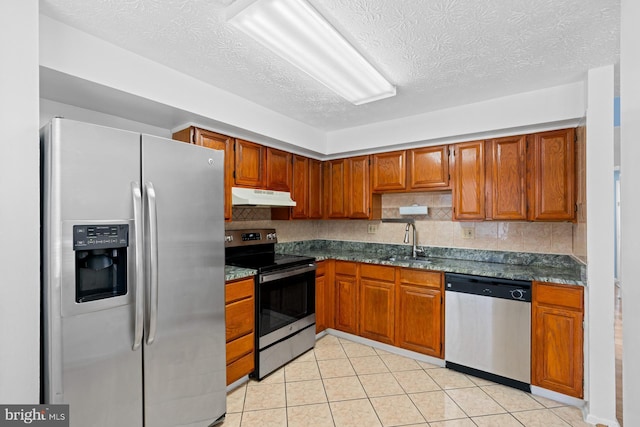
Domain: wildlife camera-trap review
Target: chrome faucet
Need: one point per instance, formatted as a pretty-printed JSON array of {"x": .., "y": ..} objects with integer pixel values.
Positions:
[
  {"x": 410, "y": 223},
  {"x": 406, "y": 238}
]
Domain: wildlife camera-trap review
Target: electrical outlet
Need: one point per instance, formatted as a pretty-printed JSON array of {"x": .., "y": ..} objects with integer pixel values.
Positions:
[
  {"x": 468, "y": 233},
  {"x": 372, "y": 228}
]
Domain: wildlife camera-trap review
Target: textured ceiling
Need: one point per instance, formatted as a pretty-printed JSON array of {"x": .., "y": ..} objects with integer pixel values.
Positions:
[{"x": 439, "y": 53}]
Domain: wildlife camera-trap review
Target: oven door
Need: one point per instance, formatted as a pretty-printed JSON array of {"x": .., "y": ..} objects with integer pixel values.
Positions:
[{"x": 286, "y": 303}]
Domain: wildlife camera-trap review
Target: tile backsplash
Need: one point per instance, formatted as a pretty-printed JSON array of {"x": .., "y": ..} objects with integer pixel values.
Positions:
[{"x": 434, "y": 229}]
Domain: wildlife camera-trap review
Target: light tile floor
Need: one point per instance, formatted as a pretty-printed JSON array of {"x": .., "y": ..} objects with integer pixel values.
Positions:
[{"x": 342, "y": 383}]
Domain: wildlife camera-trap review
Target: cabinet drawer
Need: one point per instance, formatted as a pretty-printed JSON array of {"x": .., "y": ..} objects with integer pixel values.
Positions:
[
  {"x": 379, "y": 272},
  {"x": 568, "y": 296},
  {"x": 240, "y": 368},
  {"x": 238, "y": 290},
  {"x": 239, "y": 317},
  {"x": 431, "y": 279},
  {"x": 240, "y": 347},
  {"x": 346, "y": 267}
]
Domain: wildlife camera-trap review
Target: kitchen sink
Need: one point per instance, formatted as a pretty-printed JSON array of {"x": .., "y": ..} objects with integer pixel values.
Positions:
[{"x": 407, "y": 258}]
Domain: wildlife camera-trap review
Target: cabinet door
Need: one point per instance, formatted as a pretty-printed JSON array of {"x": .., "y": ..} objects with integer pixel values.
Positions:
[
  {"x": 314, "y": 193},
  {"x": 214, "y": 141},
  {"x": 336, "y": 188},
  {"x": 300, "y": 187},
  {"x": 420, "y": 314},
  {"x": 552, "y": 176},
  {"x": 377, "y": 303},
  {"x": 468, "y": 186},
  {"x": 389, "y": 171},
  {"x": 419, "y": 320},
  {"x": 346, "y": 297},
  {"x": 557, "y": 344},
  {"x": 429, "y": 168},
  {"x": 249, "y": 164},
  {"x": 358, "y": 184},
  {"x": 279, "y": 170},
  {"x": 506, "y": 174}
]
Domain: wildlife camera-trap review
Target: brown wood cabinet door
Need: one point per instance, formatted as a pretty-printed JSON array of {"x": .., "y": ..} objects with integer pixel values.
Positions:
[
  {"x": 389, "y": 171},
  {"x": 279, "y": 170},
  {"x": 249, "y": 164},
  {"x": 300, "y": 187},
  {"x": 557, "y": 341},
  {"x": 336, "y": 188},
  {"x": 214, "y": 141},
  {"x": 315, "y": 194},
  {"x": 551, "y": 176},
  {"x": 346, "y": 300},
  {"x": 419, "y": 324},
  {"x": 468, "y": 186},
  {"x": 506, "y": 175},
  {"x": 377, "y": 310},
  {"x": 429, "y": 168},
  {"x": 358, "y": 184}
]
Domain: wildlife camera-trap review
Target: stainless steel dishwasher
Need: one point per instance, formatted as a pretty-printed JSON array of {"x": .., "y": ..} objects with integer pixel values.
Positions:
[{"x": 488, "y": 328}]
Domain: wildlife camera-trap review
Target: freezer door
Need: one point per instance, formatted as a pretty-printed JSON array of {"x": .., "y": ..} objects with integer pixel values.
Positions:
[
  {"x": 88, "y": 360},
  {"x": 184, "y": 350}
]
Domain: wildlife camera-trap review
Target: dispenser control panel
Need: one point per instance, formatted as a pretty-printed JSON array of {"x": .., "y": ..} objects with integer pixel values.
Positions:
[{"x": 105, "y": 236}]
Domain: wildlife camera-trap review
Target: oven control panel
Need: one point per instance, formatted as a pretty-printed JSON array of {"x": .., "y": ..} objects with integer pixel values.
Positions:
[{"x": 233, "y": 238}]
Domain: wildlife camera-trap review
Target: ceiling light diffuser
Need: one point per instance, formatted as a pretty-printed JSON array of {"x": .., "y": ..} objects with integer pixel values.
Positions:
[{"x": 295, "y": 31}]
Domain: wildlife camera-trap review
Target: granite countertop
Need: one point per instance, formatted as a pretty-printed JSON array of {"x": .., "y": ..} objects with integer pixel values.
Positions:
[
  {"x": 235, "y": 273},
  {"x": 509, "y": 265}
]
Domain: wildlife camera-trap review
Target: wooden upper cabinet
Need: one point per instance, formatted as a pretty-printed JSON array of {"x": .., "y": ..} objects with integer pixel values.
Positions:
[
  {"x": 428, "y": 168},
  {"x": 336, "y": 191},
  {"x": 551, "y": 175},
  {"x": 249, "y": 164},
  {"x": 315, "y": 194},
  {"x": 389, "y": 171},
  {"x": 557, "y": 338},
  {"x": 506, "y": 196},
  {"x": 469, "y": 187},
  {"x": 358, "y": 205},
  {"x": 300, "y": 187},
  {"x": 214, "y": 141},
  {"x": 279, "y": 170}
]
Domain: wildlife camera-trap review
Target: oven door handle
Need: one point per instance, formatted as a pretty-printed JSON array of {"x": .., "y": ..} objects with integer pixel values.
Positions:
[{"x": 289, "y": 272}]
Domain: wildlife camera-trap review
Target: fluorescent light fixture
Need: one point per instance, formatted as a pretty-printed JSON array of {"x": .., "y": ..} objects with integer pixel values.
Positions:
[{"x": 294, "y": 30}]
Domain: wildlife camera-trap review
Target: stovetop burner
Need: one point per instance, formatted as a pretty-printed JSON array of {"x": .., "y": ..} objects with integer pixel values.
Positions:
[{"x": 255, "y": 248}]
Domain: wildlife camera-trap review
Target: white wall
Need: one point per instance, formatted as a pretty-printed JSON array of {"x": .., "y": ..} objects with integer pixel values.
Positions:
[
  {"x": 630, "y": 205},
  {"x": 19, "y": 211},
  {"x": 560, "y": 106},
  {"x": 50, "y": 109},
  {"x": 599, "y": 333}
]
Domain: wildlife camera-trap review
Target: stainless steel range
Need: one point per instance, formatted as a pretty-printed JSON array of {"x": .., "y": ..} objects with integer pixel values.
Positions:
[{"x": 285, "y": 297}]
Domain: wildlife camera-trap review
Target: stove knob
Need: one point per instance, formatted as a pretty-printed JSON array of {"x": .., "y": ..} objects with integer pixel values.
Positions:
[
  {"x": 228, "y": 238},
  {"x": 517, "y": 294},
  {"x": 271, "y": 236}
]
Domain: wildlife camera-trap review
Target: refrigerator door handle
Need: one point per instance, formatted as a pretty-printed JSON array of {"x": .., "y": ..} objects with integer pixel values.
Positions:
[
  {"x": 152, "y": 249},
  {"x": 139, "y": 262}
]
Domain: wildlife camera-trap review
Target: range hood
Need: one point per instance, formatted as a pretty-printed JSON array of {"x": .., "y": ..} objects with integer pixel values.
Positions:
[{"x": 260, "y": 198}]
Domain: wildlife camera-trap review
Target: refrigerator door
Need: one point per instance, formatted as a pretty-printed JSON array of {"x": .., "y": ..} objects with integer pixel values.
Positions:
[
  {"x": 184, "y": 350},
  {"x": 88, "y": 360}
]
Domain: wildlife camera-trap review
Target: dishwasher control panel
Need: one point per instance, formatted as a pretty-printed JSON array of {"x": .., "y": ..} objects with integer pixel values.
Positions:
[{"x": 518, "y": 290}]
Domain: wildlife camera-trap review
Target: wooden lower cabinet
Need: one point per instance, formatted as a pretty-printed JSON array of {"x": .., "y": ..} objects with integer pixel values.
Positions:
[
  {"x": 420, "y": 313},
  {"x": 557, "y": 338},
  {"x": 377, "y": 302},
  {"x": 321, "y": 292},
  {"x": 346, "y": 297},
  {"x": 240, "y": 324}
]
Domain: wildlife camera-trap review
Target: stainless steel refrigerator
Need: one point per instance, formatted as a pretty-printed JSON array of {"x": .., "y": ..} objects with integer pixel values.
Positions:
[{"x": 133, "y": 328}]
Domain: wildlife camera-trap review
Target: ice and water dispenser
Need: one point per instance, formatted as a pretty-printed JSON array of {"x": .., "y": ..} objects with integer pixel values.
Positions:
[{"x": 100, "y": 261}]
